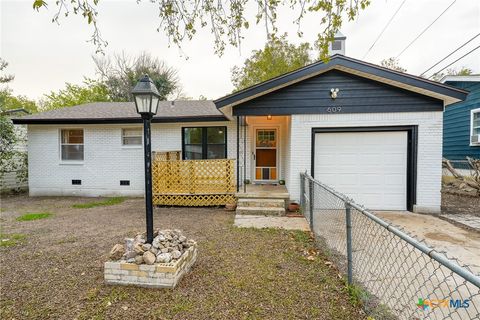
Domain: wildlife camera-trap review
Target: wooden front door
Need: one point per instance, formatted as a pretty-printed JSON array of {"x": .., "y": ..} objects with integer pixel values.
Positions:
[{"x": 266, "y": 154}]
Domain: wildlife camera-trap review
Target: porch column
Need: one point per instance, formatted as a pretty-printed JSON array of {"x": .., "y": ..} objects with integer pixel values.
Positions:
[
  {"x": 238, "y": 154},
  {"x": 244, "y": 153}
]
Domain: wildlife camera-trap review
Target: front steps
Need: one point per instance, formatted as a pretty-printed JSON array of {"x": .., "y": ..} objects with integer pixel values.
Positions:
[{"x": 261, "y": 206}]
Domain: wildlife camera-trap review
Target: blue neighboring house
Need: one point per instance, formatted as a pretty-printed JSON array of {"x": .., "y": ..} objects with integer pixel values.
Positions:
[{"x": 461, "y": 121}]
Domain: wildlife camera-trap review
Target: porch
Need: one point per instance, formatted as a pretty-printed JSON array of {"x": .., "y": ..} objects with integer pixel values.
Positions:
[{"x": 262, "y": 191}]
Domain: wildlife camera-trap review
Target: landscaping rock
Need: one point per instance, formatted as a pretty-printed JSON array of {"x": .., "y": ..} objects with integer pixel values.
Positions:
[
  {"x": 167, "y": 246},
  {"x": 139, "y": 259},
  {"x": 138, "y": 248},
  {"x": 176, "y": 254},
  {"x": 117, "y": 252},
  {"x": 164, "y": 258},
  {"x": 148, "y": 257}
]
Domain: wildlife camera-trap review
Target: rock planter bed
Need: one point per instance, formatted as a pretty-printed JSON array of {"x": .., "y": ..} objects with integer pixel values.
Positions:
[{"x": 160, "y": 264}]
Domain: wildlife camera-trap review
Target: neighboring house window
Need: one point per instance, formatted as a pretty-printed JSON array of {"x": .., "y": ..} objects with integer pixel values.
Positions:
[
  {"x": 475, "y": 128},
  {"x": 204, "y": 143},
  {"x": 132, "y": 136},
  {"x": 72, "y": 144}
]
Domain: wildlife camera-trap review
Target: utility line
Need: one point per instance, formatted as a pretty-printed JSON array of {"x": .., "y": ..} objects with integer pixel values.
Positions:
[
  {"x": 436, "y": 64},
  {"x": 424, "y": 30},
  {"x": 466, "y": 54},
  {"x": 383, "y": 30}
]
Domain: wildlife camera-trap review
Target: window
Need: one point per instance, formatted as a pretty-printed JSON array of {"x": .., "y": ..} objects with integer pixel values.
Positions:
[
  {"x": 72, "y": 144},
  {"x": 132, "y": 137},
  {"x": 204, "y": 143},
  {"x": 337, "y": 45},
  {"x": 475, "y": 128}
]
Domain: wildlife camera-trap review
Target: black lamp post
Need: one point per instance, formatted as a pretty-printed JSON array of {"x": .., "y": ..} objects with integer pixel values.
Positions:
[{"x": 146, "y": 98}]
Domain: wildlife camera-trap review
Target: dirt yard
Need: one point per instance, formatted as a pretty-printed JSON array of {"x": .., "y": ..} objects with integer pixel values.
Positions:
[
  {"x": 55, "y": 269},
  {"x": 460, "y": 204}
]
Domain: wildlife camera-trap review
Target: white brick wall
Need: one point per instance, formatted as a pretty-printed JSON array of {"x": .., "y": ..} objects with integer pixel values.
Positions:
[
  {"x": 429, "y": 155},
  {"x": 106, "y": 161}
]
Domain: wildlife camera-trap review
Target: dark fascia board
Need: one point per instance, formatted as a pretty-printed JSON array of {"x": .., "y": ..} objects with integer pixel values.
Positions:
[
  {"x": 118, "y": 120},
  {"x": 347, "y": 62}
]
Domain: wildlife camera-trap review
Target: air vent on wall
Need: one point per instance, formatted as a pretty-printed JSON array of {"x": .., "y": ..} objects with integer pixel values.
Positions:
[
  {"x": 77, "y": 182},
  {"x": 124, "y": 182}
]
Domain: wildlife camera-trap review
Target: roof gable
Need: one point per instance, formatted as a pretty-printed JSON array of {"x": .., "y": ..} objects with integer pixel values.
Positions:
[
  {"x": 360, "y": 68},
  {"x": 355, "y": 95}
]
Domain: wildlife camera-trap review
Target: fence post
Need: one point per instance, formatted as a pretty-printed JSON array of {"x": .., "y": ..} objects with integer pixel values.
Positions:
[
  {"x": 311, "y": 201},
  {"x": 348, "y": 218},
  {"x": 302, "y": 191}
]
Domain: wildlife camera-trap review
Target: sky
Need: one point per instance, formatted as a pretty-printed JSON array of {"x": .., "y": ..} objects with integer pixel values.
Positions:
[{"x": 44, "y": 55}]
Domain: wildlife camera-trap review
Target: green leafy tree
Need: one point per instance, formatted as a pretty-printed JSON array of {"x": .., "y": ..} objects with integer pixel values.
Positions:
[
  {"x": 392, "y": 63},
  {"x": 11, "y": 102},
  {"x": 464, "y": 71},
  {"x": 11, "y": 159},
  {"x": 7, "y": 100},
  {"x": 276, "y": 58},
  {"x": 121, "y": 72},
  {"x": 72, "y": 95},
  {"x": 227, "y": 20},
  {"x": 5, "y": 78}
]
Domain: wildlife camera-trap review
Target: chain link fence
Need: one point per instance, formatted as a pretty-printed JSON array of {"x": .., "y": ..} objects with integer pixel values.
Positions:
[{"x": 394, "y": 275}]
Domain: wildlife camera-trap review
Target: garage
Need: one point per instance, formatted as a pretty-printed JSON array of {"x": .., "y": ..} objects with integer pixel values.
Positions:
[{"x": 369, "y": 166}]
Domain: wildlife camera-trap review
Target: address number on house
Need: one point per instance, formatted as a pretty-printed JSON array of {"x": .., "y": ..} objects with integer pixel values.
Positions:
[{"x": 334, "y": 109}]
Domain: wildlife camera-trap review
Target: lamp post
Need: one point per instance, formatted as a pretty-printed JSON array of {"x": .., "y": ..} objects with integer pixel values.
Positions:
[{"x": 146, "y": 98}]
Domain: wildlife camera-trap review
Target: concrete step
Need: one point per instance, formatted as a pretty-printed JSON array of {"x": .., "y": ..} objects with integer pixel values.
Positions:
[
  {"x": 264, "y": 211},
  {"x": 263, "y": 195},
  {"x": 271, "y": 203}
]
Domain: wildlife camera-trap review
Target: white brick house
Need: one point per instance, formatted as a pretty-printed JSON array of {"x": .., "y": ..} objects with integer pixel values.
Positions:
[{"x": 372, "y": 133}]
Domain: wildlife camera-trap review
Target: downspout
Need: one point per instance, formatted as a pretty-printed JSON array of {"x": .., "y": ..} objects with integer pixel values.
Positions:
[{"x": 244, "y": 153}]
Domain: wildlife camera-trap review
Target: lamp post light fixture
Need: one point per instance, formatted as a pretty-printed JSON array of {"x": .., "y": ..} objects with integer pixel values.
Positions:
[{"x": 146, "y": 98}]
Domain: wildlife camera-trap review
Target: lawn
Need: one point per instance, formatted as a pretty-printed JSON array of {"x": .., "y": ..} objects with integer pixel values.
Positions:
[
  {"x": 34, "y": 216},
  {"x": 56, "y": 271}
]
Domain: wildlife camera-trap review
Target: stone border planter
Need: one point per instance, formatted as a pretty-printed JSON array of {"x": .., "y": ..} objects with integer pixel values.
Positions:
[{"x": 157, "y": 275}]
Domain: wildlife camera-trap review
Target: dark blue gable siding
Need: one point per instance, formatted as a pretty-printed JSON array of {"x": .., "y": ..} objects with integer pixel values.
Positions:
[
  {"x": 456, "y": 124},
  {"x": 357, "y": 95}
]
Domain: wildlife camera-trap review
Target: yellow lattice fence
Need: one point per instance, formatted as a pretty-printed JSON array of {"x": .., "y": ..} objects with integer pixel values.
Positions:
[{"x": 193, "y": 182}]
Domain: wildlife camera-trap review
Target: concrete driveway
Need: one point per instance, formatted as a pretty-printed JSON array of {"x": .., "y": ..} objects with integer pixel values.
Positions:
[{"x": 442, "y": 235}]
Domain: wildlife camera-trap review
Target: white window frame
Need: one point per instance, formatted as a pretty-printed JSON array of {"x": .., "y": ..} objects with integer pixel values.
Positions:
[
  {"x": 472, "y": 112},
  {"x": 131, "y": 146},
  {"x": 60, "y": 144}
]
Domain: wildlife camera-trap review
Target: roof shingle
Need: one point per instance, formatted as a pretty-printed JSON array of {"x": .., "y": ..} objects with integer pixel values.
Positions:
[{"x": 124, "y": 112}]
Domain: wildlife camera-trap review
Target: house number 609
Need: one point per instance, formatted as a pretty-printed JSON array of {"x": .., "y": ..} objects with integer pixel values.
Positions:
[{"x": 334, "y": 109}]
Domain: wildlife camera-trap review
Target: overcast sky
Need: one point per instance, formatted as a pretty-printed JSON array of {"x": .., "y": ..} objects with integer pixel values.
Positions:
[{"x": 43, "y": 55}]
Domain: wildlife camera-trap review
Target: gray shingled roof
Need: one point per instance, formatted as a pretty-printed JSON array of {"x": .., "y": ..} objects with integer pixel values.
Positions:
[{"x": 121, "y": 112}]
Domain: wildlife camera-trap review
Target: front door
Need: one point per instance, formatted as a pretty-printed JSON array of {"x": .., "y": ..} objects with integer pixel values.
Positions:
[{"x": 266, "y": 155}]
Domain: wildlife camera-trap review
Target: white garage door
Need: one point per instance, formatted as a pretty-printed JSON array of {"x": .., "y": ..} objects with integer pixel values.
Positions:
[{"x": 370, "y": 167}]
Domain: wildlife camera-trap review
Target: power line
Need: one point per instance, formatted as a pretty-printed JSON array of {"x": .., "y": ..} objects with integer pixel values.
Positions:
[
  {"x": 383, "y": 30},
  {"x": 466, "y": 54},
  {"x": 463, "y": 45},
  {"x": 428, "y": 27}
]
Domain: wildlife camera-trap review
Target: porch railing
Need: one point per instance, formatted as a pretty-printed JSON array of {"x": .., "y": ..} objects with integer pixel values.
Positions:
[{"x": 193, "y": 182}]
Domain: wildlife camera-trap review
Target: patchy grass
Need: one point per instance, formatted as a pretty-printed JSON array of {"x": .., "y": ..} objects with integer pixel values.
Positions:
[
  {"x": 104, "y": 203},
  {"x": 34, "y": 216},
  {"x": 10, "y": 240},
  {"x": 239, "y": 274}
]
